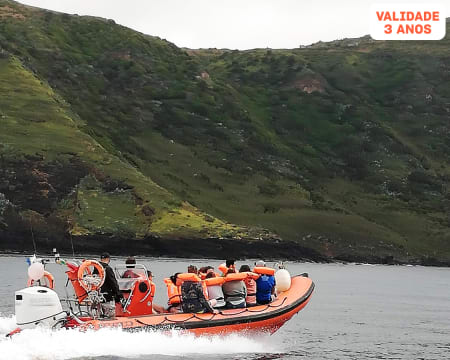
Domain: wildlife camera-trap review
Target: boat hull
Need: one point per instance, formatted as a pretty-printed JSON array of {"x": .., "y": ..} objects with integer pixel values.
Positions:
[{"x": 261, "y": 318}]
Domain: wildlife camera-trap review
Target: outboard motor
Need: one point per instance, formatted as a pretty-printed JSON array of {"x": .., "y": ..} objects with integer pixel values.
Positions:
[{"x": 37, "y": 305}]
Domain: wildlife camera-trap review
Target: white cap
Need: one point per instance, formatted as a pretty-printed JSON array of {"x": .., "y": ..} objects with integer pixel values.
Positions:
[{"x": 260, "y": 263}]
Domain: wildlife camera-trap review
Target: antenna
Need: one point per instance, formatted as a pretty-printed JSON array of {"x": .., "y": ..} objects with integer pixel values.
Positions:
[
  {"x": 71, "y": 240},
  {"x": 32, "y": 236}
]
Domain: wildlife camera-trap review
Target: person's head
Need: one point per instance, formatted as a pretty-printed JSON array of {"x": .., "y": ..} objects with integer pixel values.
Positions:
[
  {"x": 210, "y": 274},
  {"x": 192, "y": 269},
  {"x": 260, "y": 263},
  {"x": 174, "y": 277},
  {"x": 130, "y": 262},
  {"x": 244, "y": 268},
  {"x": 150, "y": 275},
  {"x": 231, "y": 270},
  {"x": 105, "y": 257},
  {"x": 230, "y": 263},
  {"x": 203, "y": 269}
]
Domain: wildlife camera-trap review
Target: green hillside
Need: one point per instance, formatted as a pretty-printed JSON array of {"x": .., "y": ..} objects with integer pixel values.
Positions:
[{"x": 107, "y": 133}]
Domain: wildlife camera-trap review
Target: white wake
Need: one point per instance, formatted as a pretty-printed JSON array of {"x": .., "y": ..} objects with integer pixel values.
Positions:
[{"x": 40, "y": 343}]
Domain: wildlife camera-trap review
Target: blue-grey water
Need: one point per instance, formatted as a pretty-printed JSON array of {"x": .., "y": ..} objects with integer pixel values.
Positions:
[{"x": 356, "y": 312}]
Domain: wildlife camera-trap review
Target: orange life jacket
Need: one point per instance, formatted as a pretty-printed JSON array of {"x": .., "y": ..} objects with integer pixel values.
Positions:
[
  {"x": 173, "y": 292},
  {"x": 192, "y": 277},
  {"x": 214, "y": 281},
  {"x": 235, "y": 277},
  {"x": 264, "y": 270}
]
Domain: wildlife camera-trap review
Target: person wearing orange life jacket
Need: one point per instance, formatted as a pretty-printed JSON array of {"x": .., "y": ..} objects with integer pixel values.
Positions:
[
  {"x": 214, "y": 288},
  {"x": 235, "y": 292},
  {"x": 193, "y": 299},
  {"x": 265, "y": 286},
  {"x": 230, "y": 264},
  {"x": 174, "y": 295},
  {"x": 250, "y": 285}
]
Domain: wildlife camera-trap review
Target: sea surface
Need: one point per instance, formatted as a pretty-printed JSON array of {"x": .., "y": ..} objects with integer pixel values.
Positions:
[{"x": 356, "y": 312}]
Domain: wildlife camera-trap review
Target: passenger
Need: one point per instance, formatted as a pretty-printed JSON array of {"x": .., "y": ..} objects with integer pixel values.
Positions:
[
  {"x": 130, "y": 264},
  {"x": 156, "y": 308},
  {"x": 215, "y": 291},
  {"x": 110, "y": 287},
  {"x": 193, "y": 299},
  {"x": 235, "y": 292},
  {"x": 192, "y": 269},
  {"x": 174, "y": 305},
  {"x": 265, "y": 286},
  {"x": 204, "y": 270},
  {"x": 250, "y": 285},
  {"x": 230, "y": 264}
]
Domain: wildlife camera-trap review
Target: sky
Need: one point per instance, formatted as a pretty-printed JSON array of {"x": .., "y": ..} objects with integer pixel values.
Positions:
[{"x": 233, "y": 24}]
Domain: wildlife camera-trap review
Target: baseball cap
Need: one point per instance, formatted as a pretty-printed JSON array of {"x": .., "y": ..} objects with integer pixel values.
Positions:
[{"x": 260, "y": 263}]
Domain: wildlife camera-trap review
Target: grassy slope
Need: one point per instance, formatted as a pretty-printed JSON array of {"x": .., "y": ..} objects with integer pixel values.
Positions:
[
  {"x": 35, "y": 121},
  {"x": 350, "y": 168}
]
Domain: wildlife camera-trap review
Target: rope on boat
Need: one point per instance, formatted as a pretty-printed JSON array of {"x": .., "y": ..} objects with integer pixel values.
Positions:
[
  {"x": 195, "y": 316},
  {"x": 45, "y": 318}
]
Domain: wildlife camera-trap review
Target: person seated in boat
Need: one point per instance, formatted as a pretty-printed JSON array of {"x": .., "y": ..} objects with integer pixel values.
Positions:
[
  {"x": 203, "y": 271},
  {"x": 192, "y": 269},
  {"x": 250, "y": 285},
  {"x": 193, "y": 299},
  {"x": 110, "y": 287},
  {"x": 130, "y": 264},
  {"x": 265, "y": 286},
  {"x": 173, "y": 293},
  {"x": 234, "y": 292},
  {"x": 215, "y": 291},
  {"x": 230, "y": 264}
]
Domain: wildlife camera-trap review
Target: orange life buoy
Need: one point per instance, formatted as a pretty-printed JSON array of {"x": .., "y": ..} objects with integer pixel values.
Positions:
[
  {"x": 173, "y": 292},
  {"x": 214, "y": 281},
  {"x": 235, "y": 277},
  {"x": 264, "y": 270},
  {"x": 187, "y": 277},
  {"x": 91, "y": 275},
  {"x": 50, "y": 281}
]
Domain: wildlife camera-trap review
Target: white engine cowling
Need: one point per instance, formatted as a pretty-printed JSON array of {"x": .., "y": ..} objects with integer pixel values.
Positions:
[
  {"x": 37, "y": 305},
  {"x": 283, "y": 280}
]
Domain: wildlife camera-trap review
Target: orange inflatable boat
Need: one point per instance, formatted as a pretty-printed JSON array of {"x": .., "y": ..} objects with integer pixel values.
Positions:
[
  {"x": 266, "y": 318},
  {"x": 40, "y": 305}
]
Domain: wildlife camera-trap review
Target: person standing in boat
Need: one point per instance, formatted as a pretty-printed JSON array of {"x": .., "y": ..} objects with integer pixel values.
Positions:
[
  {"x": 110, "y": 288},
  {"x": 265, "y": 286}
]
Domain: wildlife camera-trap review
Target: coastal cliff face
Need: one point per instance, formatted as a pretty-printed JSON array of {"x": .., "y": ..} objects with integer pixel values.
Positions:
[{"x": 118, "y": 139}]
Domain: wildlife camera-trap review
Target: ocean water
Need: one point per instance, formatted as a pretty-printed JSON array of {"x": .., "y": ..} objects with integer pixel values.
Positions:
[{"x": 356, "y": 312}]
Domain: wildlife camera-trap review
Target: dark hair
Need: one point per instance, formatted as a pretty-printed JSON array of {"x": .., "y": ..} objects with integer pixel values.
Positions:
[
  {"x": 192, "y": 269},
  {"x": 231, "y": 271},
  {"x": 203, "y": 269},
  {"x": 149, "y": 273},
  {"x": 244, "y": 268},
  {"x": 130, "y": 261},
  {"x": 173, "y": 278},
  {"x": 210, "y": 275},
  {"x": 105, "y": 255},
  {"x": 228, "y": 263}
]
